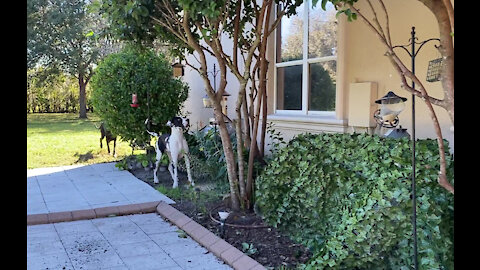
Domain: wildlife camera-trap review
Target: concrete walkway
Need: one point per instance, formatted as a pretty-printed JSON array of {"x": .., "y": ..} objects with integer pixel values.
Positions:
[
  {"x": 97, "y": 217},
  {"x": 70, "y": 188}
]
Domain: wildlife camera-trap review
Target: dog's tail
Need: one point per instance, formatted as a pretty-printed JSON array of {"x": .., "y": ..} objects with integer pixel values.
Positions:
[{"x": 150, "y": 132}]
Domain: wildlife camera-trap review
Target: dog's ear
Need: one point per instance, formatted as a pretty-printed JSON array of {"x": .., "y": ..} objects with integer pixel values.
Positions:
[{"x": 186, "y": 122}]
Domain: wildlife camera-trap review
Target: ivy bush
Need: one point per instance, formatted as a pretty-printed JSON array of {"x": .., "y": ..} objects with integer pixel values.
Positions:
[
  {"x": 143, "y": 72},
  {"x": 348, "y": 198}
]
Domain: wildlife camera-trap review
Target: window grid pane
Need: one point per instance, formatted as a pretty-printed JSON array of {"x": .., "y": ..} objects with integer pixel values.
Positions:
[
  {"x": 289, "y": 88},
  {"x": 322, "y": 31},
  {"x": 290, "y": 40},
  {"x": 311, "y": 65},
  {"x": 322, "y": 86}
]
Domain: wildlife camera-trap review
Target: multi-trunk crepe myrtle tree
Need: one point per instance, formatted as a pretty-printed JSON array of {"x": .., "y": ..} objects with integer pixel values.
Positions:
[
  {"x": 197, "y": 28},
  {"x": 443, "y": 11}
]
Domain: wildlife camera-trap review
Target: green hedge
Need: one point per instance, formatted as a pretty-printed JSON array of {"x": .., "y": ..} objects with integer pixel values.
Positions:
[
  {"x": 140, "y": 71},
  {"x": 347, "y": 197}
]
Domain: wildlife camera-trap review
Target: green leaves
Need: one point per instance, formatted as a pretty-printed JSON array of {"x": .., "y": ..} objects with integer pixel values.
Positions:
[
  {"x": 248, "y": 249},
  {"x": 342, "y": 6},
  {"x": 148, "y": 75},
  {"x": 347, "y": 197}
]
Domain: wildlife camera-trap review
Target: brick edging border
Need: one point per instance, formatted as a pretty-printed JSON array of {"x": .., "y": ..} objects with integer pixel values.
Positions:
[
  {"x": 219, "y": 247},
  {"x": 128, "y": 209}
]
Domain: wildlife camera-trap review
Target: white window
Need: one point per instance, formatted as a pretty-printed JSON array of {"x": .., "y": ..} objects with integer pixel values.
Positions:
[{"x": 306, "y": 62}]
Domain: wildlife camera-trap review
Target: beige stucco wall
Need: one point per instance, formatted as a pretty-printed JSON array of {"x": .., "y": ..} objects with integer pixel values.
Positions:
[
  {"x": 361, "y": 59},
  {"x": 193, "y": 106}
]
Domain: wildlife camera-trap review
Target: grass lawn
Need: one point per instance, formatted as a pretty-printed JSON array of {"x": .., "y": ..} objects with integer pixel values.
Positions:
[{"x": 57, "y": 139}]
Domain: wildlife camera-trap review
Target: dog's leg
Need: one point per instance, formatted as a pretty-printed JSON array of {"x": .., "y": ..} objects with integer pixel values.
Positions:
[
  {"x": 186, "y": 153},
  {"x": 114, "y": 146},
  {"x": 108, "y": 147},
  {"x": 175, "y": 170},
  {"x": 187, "y": 163},
  {"x": 157, "y": 163},
  {"x": 172, "y": 173},
  {"x": 174, "y": 163}
]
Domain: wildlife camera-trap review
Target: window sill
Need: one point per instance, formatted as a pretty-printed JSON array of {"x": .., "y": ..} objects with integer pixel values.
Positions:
[
  {"x": 321, "y": 119},
  {"x": 308, "y": 123}
]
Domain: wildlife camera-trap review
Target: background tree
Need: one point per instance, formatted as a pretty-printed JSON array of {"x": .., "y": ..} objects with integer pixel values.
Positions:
[
  {"x": 57, "y": 94},
  {"x": 66, "y": 36},
  {"x": 443, "y": 12}
]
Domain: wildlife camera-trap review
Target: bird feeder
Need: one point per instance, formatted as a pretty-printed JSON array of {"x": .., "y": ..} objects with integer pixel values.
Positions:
[
  {"x": 391, "y": 106},
  {"x": 434, "y": 70},
  {"x": 224, "y": 102},
  {"x": 207, "y": 102},
  {"x": 178, "y": 70},
  {"x": 134, "y": 101}
]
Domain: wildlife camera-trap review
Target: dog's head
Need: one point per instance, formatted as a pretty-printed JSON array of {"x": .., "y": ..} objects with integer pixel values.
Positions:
[{"x": 179, "y": 122}]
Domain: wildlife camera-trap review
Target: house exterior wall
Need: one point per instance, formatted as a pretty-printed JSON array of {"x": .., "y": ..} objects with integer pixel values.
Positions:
[
  {"x": 361, "y": 59},
  {"x": 193, "y": 107}
]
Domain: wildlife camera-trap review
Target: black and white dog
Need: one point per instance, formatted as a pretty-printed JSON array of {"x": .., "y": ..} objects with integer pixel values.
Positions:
[{"x": 175, "y": 146}]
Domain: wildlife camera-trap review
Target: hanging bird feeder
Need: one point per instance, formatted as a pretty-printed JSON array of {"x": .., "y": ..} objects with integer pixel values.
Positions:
[
  {"x": 134, "y": 101},
  {"x": 391, "y": 106},
  {"x": 434, "y": 70},
  {"x": 178, "y": 70}
]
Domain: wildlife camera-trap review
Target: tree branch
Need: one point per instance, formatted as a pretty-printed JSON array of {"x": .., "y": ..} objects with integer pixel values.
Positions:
[{"x": 404, "y": 73}]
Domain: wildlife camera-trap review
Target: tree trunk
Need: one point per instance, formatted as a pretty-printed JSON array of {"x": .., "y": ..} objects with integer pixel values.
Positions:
[
  {"x": 82, "y": 97},
  {"x": 445, "y": 27},
  {"x": 254, "y": 151},
  {"x": 238, "y": 130},
  {"x": 229, "y": 156}
]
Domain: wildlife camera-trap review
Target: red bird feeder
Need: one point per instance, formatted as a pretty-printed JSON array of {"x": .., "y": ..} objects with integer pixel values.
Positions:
[{"x": 134, "y": 101}]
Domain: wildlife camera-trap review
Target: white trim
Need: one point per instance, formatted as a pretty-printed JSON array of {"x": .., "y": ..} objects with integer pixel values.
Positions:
[
  {"x": 321, "y": 59},
  {"x": 308, "y": 123},
  {"x": 289, "y": 112},
  {"x": 323, "y": 119},
  {"x": 305, "y": 92},
  {"x": 309, "y": 61},
  {"x": 275, "y": 59},
  {"x": 322, "y": 113},
  {"x": 289, "y": 63}
]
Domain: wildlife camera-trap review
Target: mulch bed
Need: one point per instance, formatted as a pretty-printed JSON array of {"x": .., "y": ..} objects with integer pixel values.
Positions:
[{"x": 273, "y": 249}]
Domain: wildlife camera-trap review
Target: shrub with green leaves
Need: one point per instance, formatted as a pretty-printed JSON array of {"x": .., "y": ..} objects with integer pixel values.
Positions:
[
  {"x": 145, "y": 73},
  {"x": 348, "y": 198},
  {"x": 207, "y": 157}
]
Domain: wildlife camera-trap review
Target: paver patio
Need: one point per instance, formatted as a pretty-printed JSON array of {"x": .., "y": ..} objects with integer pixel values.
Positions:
[
  {"x": 98, "y": 217},
  {"x": 142, "y": 241}
]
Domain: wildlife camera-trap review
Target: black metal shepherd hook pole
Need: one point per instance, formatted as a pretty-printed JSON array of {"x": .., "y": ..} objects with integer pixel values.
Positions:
[{"x": 413, "y": 53}]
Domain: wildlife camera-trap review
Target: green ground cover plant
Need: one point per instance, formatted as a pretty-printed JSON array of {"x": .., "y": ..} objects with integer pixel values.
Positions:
[
  {"x": 57, "y": 139},
  {"x": 347, "y": 197}
]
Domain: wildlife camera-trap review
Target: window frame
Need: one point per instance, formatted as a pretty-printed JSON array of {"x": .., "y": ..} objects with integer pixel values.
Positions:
[{"x": 305, "y": 63}]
